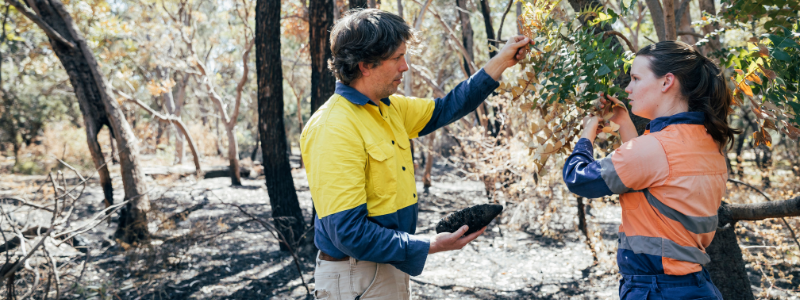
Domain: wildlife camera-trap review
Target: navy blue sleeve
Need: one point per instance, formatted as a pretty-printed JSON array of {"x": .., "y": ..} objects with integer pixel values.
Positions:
[
  {"x": 354, "y": 235},
  {"x": 460, "y": 101},
  {"x": 583, "y": 174}
]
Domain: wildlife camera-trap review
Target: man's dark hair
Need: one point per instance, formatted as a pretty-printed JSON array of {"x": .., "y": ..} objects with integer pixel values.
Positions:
[{"x": 365, "y": 35}]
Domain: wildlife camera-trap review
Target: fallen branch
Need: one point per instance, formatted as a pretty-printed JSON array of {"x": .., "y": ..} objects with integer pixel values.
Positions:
[
  {"x": 763, "y": 210},
  {"x": 272, "y": 231}
]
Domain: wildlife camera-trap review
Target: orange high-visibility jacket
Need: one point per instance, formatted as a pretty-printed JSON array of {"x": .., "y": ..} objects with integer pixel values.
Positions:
[{"x": 671, "y": 181}]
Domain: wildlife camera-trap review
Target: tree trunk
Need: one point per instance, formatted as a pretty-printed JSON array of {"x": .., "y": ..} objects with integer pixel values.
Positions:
[
  {"x": 358, "y": 4},
  {"x": 466, "y": 33},
  {"x": 426, "y": 177},
  {"x": 657, "y": 13},
  {"x": 233, "y": 155},
  {"x": 320, "y": 22},
  {"x": 727, "y": 266},
  {"x": 487, "y": 22},
  {"x": 280, "y": 185},
  {"x": 670, "y": 27},
  {"x": 683, "y": 20},
  {"x": 99, "y": 108}
]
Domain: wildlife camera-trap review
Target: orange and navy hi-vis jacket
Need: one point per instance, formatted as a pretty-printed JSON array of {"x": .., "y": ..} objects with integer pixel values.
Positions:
[{"x": 671, "y": 181}]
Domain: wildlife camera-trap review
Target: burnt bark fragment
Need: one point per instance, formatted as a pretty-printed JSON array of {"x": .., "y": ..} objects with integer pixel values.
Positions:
[{"x": 476, "y": 217}]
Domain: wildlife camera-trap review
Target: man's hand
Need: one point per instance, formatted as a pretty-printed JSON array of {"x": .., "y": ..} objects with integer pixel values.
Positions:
[
  {"x": 446, "y": 241},
  {"x": 515, "y": 50}
]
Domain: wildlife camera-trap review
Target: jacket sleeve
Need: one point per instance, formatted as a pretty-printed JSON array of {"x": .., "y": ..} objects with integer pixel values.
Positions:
[
  {"x": 459, "y": 102},
  {"x": 635, "y": 165},
  {"x": 339, "y": 193}
]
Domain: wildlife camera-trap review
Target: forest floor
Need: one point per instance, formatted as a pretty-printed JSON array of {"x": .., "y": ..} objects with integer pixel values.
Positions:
[{"x": 205, "y": 248}]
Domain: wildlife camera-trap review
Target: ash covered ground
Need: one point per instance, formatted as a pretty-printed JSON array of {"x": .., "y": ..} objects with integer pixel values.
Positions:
[{"x": 213, "y": 251}]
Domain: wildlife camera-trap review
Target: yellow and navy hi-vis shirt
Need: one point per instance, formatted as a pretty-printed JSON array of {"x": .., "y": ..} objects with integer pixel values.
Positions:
[
  {"x": 671, "y": 181},
  {"x": 361, "y": 174}
]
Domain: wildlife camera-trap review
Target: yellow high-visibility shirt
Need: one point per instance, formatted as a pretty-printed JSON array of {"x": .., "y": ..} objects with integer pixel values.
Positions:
[{"x": 360, "y": 171}]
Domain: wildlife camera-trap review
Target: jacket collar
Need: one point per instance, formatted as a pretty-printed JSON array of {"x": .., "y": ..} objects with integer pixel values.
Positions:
[
  {"x": 354, "y": 95},
  {"x": 691, "y": 117}
]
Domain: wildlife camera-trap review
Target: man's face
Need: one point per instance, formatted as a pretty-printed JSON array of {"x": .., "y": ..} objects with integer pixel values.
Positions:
[{"x": 386, "y": 77}]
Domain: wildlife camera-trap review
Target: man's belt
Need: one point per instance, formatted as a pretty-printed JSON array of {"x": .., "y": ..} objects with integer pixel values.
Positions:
[{"x": 324, "y": 256}]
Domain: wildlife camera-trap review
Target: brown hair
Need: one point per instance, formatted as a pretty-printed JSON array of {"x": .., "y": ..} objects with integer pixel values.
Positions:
[
  {"x": 365, "y": 35},
  {"x": 702, "y": 84}
]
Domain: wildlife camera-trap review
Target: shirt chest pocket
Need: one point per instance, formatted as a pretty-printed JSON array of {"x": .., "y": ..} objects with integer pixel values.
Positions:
[{"x": 382, "y": 171}]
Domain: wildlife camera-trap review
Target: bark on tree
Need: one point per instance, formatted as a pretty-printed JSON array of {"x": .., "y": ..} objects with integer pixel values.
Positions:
[
  {"x": 466, "y": 34},
  {"x": 683, "y": 21},
  {"x": 670, "y": 32},
  {"x": 358, "y": 4},
  {"x": 320, "y": 22},
  {"x": 286, "y": 211},
  {"x": 657, "y": 13},
  {"x": 99, "y": 108}
]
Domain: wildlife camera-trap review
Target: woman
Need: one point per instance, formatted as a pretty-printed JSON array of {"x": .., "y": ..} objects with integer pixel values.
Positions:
[{"x": 671, "y": 179}]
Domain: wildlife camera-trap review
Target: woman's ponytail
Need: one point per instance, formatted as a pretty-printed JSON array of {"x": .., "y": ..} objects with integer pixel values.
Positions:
[{"x": 702, "y": 84}]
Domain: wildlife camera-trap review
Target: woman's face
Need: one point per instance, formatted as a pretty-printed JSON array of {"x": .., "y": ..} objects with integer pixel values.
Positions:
[{"x": 645, "y": 90}]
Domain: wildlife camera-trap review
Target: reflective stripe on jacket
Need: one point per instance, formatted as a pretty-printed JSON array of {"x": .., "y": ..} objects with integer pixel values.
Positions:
[
  {"x": 360, "y": 171},
  {"x": 671, "y": 182}
]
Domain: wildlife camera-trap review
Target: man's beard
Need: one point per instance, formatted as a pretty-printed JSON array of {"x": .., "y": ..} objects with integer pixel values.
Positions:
[{"x": 388, "y": 90}]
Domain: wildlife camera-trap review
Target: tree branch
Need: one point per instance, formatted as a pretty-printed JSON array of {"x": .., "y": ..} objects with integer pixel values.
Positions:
[
  {"x": 52, "y": 33},
  {"x": 453, "y": 37},
  {"x": 695, "y": 34},
  {"x": 169, "y": 119},
  {"x": 657, "y": 13},
  {"x": 503, "y": 19},
  {"x": 617, "y": 33},
  {"x": 796, "y": 205}
]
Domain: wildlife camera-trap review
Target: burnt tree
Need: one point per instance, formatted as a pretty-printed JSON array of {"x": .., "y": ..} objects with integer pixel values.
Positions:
[
  {"x": 99, "y": 109},
  {"x": 358, "y": 4},
  {"x": 727, "y": 266},
  {"x": 286, "y": 211},
  {"x": 320, "y": 22}
]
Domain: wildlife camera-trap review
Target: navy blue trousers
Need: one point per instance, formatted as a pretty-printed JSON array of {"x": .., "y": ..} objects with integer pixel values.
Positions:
[{"x": 695, "y": 286}]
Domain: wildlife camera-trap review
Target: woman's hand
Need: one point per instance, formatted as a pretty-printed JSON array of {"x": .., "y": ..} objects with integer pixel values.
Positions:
[
  {"x": 627, "y": 130},
  {"x": 621, "y": 115},
  {"x": 591, "y": 127},
  {"x": 516, "y": 49}
]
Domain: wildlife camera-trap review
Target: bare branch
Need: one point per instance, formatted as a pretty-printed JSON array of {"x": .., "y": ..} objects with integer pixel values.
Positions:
[
  {"x": 695, "y": 34},
  {"x": 794, "y": 236},
  {"x": 169, "y": 119},
  {"x": 617, "y": 33},
  {"x": 503, "y": 19},
  {"x": 453, "y": 37},
  {"x": 52, "y": 33}
]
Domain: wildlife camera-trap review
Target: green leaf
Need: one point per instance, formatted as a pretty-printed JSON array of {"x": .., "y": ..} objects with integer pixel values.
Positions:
[
  {"x": 590, "y": 55},
  {"x": 603, "y": 71},
  {"x": 782, "y": 41},
  {"x": 779, "y": 54},
  {"x": 796, "y": 107}
]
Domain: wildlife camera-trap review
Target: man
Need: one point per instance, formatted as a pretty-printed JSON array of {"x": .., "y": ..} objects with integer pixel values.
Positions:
[{"x": 358, "y": 159}]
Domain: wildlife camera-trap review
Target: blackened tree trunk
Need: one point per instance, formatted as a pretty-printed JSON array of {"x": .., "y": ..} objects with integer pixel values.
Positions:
[
  {"x": 358, "y": 4},
  {"x": 466, "y": 33},
  {"x": 99, "y": 108},
  {"x": 280, "y": 186},
  {"x": 320, "y": 22},
  {"x": 487, "y": 22},
  {"x": 727, "y": 266}
]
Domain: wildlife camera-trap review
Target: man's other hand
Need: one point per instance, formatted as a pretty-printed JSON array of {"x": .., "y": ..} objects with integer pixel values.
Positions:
[
  {"x": 446, "y": 241},
  {"x": 514, "y": 50}
]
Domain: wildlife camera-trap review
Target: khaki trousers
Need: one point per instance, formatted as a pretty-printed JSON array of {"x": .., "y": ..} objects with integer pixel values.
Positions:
[{"x": 354, "y": 279}]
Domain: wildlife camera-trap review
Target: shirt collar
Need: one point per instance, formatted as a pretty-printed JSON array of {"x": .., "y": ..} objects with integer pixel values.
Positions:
[
  {"x": 691, "y": 117},
  {"x": 354, "y": 95}
]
